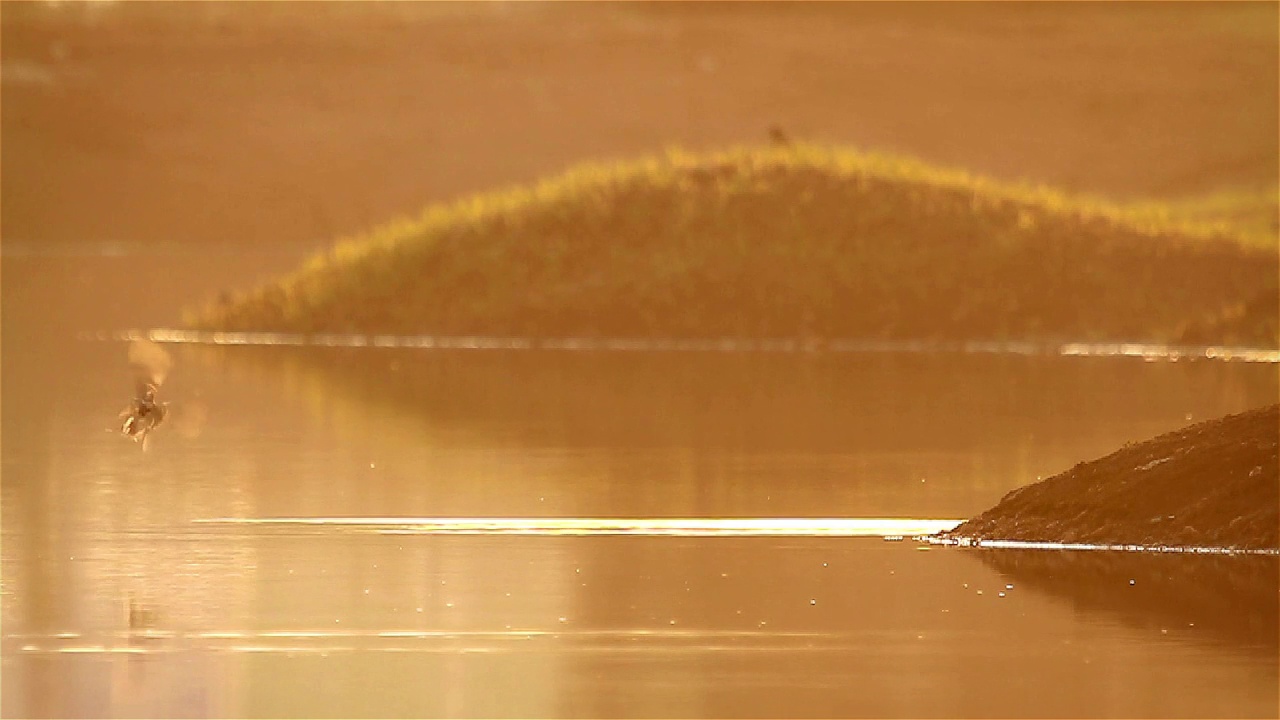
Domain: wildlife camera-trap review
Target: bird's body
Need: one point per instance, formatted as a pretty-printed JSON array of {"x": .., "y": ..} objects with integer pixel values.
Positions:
[{"x": 144, "y": 414}]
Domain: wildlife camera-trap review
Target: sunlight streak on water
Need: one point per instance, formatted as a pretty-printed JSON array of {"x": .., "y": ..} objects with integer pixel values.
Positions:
[
  {"x": 452, "y": 641},
  {"x": 687, "y": 527},
  {"x": 1146, "y": 351},
  {"x": 512, "y": 634}
]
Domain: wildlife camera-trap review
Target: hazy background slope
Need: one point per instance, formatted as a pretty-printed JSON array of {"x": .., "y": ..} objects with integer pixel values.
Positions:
[{"x": 256, "y": 122}]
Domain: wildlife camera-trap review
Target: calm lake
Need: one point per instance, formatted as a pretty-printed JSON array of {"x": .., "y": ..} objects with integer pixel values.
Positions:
[{"x": 379, "y": 532}]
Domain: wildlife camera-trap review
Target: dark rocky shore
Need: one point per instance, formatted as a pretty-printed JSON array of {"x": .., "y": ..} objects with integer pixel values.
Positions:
[{"x": 1213, "y": 484}]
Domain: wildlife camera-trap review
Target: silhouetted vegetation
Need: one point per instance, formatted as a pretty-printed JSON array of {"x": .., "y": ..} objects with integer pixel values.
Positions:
[{"x": 787, "y": 241}]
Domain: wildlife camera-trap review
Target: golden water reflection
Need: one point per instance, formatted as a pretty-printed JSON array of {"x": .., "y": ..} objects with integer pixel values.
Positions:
[
  {"x": 571, "y": 625},
  {"x": 717, "y": 570}
]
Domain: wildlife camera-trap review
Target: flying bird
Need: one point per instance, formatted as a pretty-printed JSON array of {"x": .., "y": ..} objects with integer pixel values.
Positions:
[{"x": 150, "y": 364}]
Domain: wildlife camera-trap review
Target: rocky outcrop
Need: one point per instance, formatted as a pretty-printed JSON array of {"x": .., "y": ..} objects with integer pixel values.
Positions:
[{"x": 1213, "y": 484}]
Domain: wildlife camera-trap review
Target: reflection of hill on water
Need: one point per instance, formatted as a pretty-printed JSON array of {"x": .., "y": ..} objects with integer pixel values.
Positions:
[
  {"x": 1233, "y": 600},
  {"x": 784, "y": 402},
  {"x": 716, "y": 432}
]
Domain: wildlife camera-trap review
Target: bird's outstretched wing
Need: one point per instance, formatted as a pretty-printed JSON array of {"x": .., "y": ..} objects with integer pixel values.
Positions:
[{"x": 150, "y": 363}]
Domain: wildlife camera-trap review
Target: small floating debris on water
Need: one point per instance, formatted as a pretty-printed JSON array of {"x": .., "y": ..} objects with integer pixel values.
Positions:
[
  {"x": 979, "y": 592},
  {"x": 1008, "y": 586},
  {"x": 1001, "y": 593},
  {"x": 893, "y": 538},
  {"x": 1131, "y": 581},
  {"x": 813, "y": 601}
]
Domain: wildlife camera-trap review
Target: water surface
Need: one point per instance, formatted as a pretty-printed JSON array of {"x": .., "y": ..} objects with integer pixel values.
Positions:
[{"x": 376, "y": 531}]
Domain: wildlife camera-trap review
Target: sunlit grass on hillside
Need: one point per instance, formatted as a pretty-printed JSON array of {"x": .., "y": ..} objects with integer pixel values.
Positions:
[
  {"x": 1253, "y": 216},
  {"x": 794, "y": 241}
]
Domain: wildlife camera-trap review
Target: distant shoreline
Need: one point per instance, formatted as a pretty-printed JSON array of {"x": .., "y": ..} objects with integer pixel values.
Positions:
[{"x": 1146, "y": 351}]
